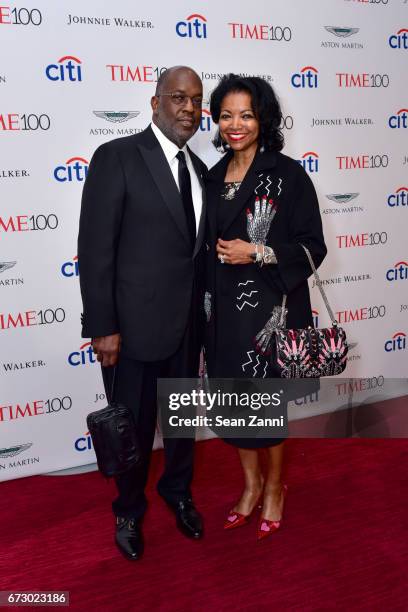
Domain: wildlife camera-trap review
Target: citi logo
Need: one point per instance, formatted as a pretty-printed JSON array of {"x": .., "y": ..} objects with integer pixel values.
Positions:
[
  {"x": 84, "y": 356},
  {"x": 195, "y": 26},
  {"x": 206, "y": 121},
  {"x": 70, "y": 268},
  {"x": 74, "y": 169},
  {"x": 309, "y": 161},
  {"x": 84, "y": 443},
  {"x": 315, "y": 317},
  {"x": 397, "y": 343},
  {"x": 68, "y": 68},
  {"x": 399, "y": 120},
  {"x": 307, "y": 77},
  {"x": 399, "y": 40},
  {"x": 398, "y": 272},
  {"x": 399, "y": 198}
]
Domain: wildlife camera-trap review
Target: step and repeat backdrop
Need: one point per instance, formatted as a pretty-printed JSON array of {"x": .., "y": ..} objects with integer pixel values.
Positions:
[{"x": 76, "y": 74}]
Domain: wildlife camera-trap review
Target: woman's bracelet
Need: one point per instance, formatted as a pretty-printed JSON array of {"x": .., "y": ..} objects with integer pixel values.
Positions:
[{"x": 264, "y": 256}]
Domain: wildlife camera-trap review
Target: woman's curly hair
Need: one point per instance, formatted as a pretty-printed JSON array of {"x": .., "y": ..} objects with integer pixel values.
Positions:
[{"x": 265, "y": 105}]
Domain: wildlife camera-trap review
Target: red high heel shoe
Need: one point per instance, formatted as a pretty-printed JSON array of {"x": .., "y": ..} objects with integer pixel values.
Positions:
[
  {"x": 267, "y": 527},
  {"x": 236, "y": 519}
]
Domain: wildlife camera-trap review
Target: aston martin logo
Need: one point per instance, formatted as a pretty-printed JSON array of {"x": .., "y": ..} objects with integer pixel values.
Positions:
[
  {"x": 12, "y": 451},
  {"x": 5, "y": 265},
  {"x": 341, "y": 32},
  {"x": 116, "y": 116},
  {"x": 341, "y": 198}
]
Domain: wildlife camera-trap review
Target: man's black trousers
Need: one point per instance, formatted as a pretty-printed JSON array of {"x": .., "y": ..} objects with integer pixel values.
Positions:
[{"x": 136, "y": 387}]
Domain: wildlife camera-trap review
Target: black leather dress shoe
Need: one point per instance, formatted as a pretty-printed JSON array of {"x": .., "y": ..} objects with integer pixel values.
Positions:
[
  {"x": 188, "y": 520},
  {"x": 129, "y": 538}
]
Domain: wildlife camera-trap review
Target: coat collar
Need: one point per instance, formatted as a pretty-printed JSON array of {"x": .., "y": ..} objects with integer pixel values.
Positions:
[{"x": 261, "y": 161}]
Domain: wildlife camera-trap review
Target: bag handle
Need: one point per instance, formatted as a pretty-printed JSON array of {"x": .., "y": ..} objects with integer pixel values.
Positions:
[
  {"x": 320, "y": 286},
  {"x": 109, "y": 379}
]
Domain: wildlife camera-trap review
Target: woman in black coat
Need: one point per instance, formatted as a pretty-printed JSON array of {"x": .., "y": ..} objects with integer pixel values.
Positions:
[{"x": 262, "y": 207}]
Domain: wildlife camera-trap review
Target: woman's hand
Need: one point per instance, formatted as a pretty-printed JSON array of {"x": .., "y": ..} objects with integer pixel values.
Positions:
[{"x": 235, "y": 251}]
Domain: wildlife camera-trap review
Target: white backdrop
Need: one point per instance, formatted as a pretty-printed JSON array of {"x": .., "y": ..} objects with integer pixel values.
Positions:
[{"x": 76, "y": 74}]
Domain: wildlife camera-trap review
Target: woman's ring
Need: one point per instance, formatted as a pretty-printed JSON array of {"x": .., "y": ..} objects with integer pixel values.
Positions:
[{"x": 221, "y": 258}]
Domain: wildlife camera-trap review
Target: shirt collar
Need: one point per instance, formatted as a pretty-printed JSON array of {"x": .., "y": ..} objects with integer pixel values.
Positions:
[{"x": 170, "y": 149}]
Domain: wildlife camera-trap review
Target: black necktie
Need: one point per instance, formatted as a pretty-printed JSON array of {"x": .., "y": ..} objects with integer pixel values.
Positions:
[{"x": 186, "y": 195}]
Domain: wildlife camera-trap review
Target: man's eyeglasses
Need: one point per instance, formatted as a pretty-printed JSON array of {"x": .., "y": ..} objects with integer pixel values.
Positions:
[{"x": 181, "y": 99}]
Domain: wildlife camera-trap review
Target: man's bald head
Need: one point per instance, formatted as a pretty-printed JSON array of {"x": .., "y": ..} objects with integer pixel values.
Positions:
[
  {"x": 177, "y": 104},
  {"x": 166, "y": 74}
]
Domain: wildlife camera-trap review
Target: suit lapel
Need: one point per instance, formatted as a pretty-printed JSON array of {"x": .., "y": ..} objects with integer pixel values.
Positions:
[
  {"x": 160, "y": 170},
  {"x": 213, "y": 199},
  {"x": 215, "y": 183},
  {"x": 201, "y": 222}
]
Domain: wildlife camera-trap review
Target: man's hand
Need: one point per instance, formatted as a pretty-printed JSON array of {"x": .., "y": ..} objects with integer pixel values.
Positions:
[
  {"x": 235, "y": 251},
  {"x": 106, "y": 349}
]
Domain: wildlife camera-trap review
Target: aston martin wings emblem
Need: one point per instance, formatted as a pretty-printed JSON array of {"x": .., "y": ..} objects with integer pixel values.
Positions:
[
  {"x": 341, "y": 32},
  {"x": 116, "y": 116},
  {"x": 342, "y": 198},
  {"x": 5, "y": 265},
  {"x": 12, "y": 451}
]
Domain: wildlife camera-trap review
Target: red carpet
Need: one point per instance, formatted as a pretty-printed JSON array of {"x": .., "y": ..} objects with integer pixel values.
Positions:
[{"x": 343, "y": 544}]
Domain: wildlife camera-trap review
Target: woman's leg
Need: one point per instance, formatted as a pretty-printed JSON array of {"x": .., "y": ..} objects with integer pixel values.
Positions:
[
  {"x": 273, "y": 492},
  {"x": 253, "y": 480}
]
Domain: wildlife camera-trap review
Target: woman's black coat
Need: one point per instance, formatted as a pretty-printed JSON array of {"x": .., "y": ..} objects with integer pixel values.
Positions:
[{"x": 240, "y": 298}]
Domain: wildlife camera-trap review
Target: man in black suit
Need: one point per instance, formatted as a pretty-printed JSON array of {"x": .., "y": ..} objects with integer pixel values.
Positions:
[{"x": 140, "y": 252}]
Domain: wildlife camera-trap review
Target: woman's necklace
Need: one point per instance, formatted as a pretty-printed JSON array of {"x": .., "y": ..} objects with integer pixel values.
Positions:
[{"x": 233, "y": 185}]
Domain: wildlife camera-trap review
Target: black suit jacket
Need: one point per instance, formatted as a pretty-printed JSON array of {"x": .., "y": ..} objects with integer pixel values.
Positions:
[{"x": 136, "y": 267}]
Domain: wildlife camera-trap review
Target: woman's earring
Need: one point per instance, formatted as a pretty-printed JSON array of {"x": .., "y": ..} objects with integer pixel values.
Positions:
[{"x": 221, "y": 145}]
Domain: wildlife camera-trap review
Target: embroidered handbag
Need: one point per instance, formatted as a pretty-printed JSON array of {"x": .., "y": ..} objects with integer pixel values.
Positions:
[{"x": 305, "y": 353}]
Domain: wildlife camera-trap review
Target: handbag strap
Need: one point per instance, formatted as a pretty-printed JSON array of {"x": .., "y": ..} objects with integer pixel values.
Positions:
[
  {"x": 320, "y": 286},
  {"x": 282, "y": 314}
]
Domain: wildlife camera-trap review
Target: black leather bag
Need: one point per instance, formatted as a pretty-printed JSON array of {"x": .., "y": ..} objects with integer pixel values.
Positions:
[{"x": 114, "y": 437}]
